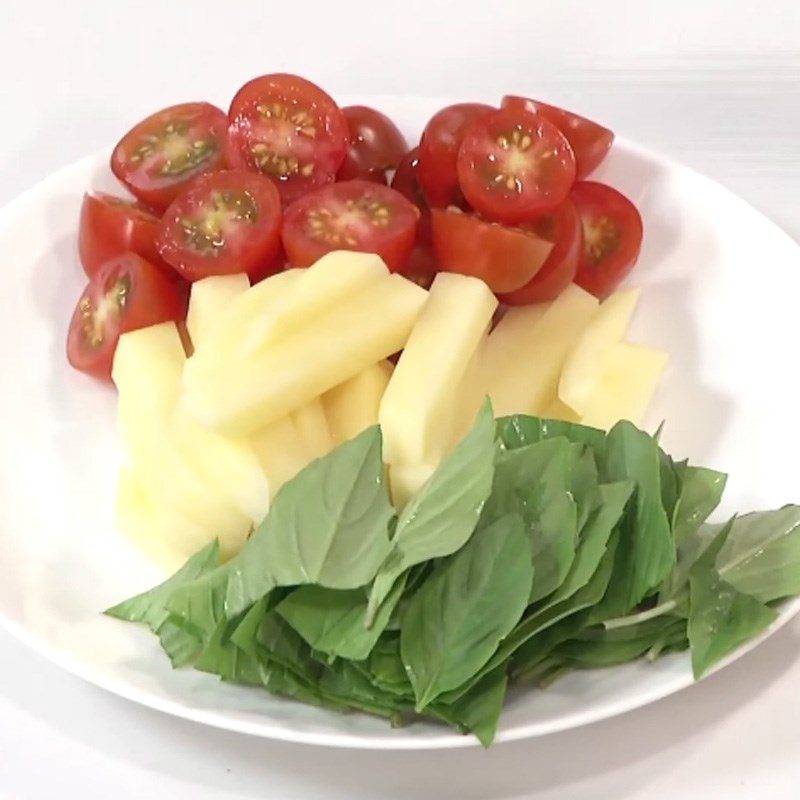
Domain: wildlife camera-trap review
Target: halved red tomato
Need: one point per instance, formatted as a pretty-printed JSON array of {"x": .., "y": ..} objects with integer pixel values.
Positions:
[
  {"x": 161, "y": 155},
  {"x": 351, "y": 215},
  {"x": 111, "y": 226},
  {"x": 514, "y": 167},
  {"x": 564, "y": 228},
  {"x": 589, "y": 141},
  {"x": 504, "y": 258},
  {"x": 376, "y": 145},
  {"x": 438, "y": 152},
  {"x": 226, "y": 222},
  {"x": 125, "y": 294},
  {"x": 612, "y": 236},
  {"x": 406, "y": 181},
  {"x": 288, "y": 129}
]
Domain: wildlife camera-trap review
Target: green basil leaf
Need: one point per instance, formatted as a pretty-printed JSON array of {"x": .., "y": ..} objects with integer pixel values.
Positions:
[
  {"x": 456, "y": 620},
  {"x": 443, "y": 515}
]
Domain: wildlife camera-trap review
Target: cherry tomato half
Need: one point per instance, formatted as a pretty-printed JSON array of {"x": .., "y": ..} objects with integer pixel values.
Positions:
[
  {"x": 406, "y": 181},
  {"x": 564, "y": 228},
  {"x": 161, "y": 155},
  {"x": 288, "y": 129},
  {"x": 612, "y": 235},
  {"x": 111, "y": 226},
  {"x": 589, "y": 141},
  {"x": 226, "y": 222},
  {"x": 125, "y": 294},
  {"x": 438, "y": 152},
  {"x": 351, "y": 215},
  {"x": 513, "y": 167},
  {"x": 504, "y": 258},
  {"x": 376, "y": 145}
]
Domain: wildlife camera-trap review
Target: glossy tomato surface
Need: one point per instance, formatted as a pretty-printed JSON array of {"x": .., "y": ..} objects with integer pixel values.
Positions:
[
  {"x": 565, "y": 230},
  {"x": 376, "y": 145},
  {"x": 589, "y": 141},
  {"x": 125, "y": 294},
  {"x": 406, "y": 181},
  {"x": 351, "y": 215},
  {"x": 226, "y": 222},
  {"x": 514, "y": 167},
  {"x": 110, "y": 226},
  {"x": 289, "y": 130},
  {"x": 504, "y": 258},
  {"x": 612, "y": 236},
  {"x": 438, "y": 152},
  {"x": 159, "y": 157}
]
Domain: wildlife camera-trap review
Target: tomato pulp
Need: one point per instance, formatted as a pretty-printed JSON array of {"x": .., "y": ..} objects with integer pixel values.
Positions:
[
  {"x": 351, "y": 215},
  {"x": 160, "y": 156},
  {"x": 125, "y": 294},
  {"x": 287, "y": 129},
  {"x": 226, "y": 222}
]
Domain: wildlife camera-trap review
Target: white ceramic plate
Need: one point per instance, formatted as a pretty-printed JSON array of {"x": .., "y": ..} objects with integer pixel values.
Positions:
[{"x": 721, "y": 284}]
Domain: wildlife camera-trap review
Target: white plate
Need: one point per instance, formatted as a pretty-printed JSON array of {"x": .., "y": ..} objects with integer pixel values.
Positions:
[{"x": 721, "y": 284}]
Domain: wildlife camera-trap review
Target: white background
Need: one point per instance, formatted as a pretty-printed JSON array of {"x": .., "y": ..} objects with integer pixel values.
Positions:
[{"x": 715, "y": 84}]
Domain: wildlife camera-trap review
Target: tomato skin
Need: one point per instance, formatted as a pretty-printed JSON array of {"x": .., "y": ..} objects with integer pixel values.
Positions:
[
  {"x": 289, "y": 130},
  {"x": 589, "y": 141},
  {"x": 504, "y": 258},
  {"x": 243, "y": 211},
  {"x": 613, "y": 230},
  {"x": 199, "y": 128},
  {"x": 438, "y": 152},
  {"x": 376, "y": 145},
  {"x": 514, "y": 167},
  {"x": 125, "y": 294},
  {"x": 406, "y": 181},
  {"x": 110, "y": 226},
  {"x": 565, "y": 229},
  {"x": 342, "y": 217}
]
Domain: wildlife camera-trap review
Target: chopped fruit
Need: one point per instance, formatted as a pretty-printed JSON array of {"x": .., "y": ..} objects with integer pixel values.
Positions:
[
  {"x": 313, "y": 428},
  {"x": 208, "y": 301},
  {"x": 353, "y": 406},
  {"x": 280, "y": 451}
]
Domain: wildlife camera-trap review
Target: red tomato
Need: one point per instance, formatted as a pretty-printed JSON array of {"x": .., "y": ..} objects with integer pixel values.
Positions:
[
  {"x": 226, "y": 222},
  {"x": 612, "y": 235},
  {"x": 406, "y": 181},
  {"x": 288, "y": 129},
  {"x": 111, "y": 226},
  {"x": 376, "y": 145},
  {"x": 589, "y": 141},
  {"x": 513, "y": 167},
  {"x": 125, "y": 294},
  {"x": 161, "y": 155},
  {"x": 438, "y": 152},
  {"x": 422, "y": 265},
  {"x": 565, "y": 230},
  {"x": 352, "y": 215},
  {"x": 504, "y": 258}
]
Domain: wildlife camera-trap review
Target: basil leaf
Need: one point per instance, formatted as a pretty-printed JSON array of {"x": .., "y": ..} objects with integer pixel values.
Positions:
[
  {"x": 646, "y": 553},
  {"x": 443, "y": 515},
  {"x": 181, "y": 641},
  {"x": 519, "y": 430},
  {"x": 455, "y": 621},
  {"x": 720, "y": 616},
  {"x": 332, "y": 621}
]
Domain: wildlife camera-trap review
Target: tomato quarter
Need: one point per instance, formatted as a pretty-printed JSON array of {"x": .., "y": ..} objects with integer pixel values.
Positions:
[
  {"x": 125, "y": 294},
  {"x": 438, "y": 152},
  {"x": 352, "y": 215},
  {"x": 376, "y": 145},
  {"x": 612, "y": 235},
  {"x": 288, "y": 129},
  {"x": 111, "y": 226},
  {"x": 513, "y": 167},
  {"x": 564, "y": 228},
  {"x": 589, "y": 141},
  {"x": 504, "y": 258},
  {"x": 226, "y": 222},
  {"x": 161, "y": 155}
]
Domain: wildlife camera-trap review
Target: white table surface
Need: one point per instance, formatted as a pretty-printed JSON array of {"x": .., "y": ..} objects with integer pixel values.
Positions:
[{"x": 715, "y": 84}]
